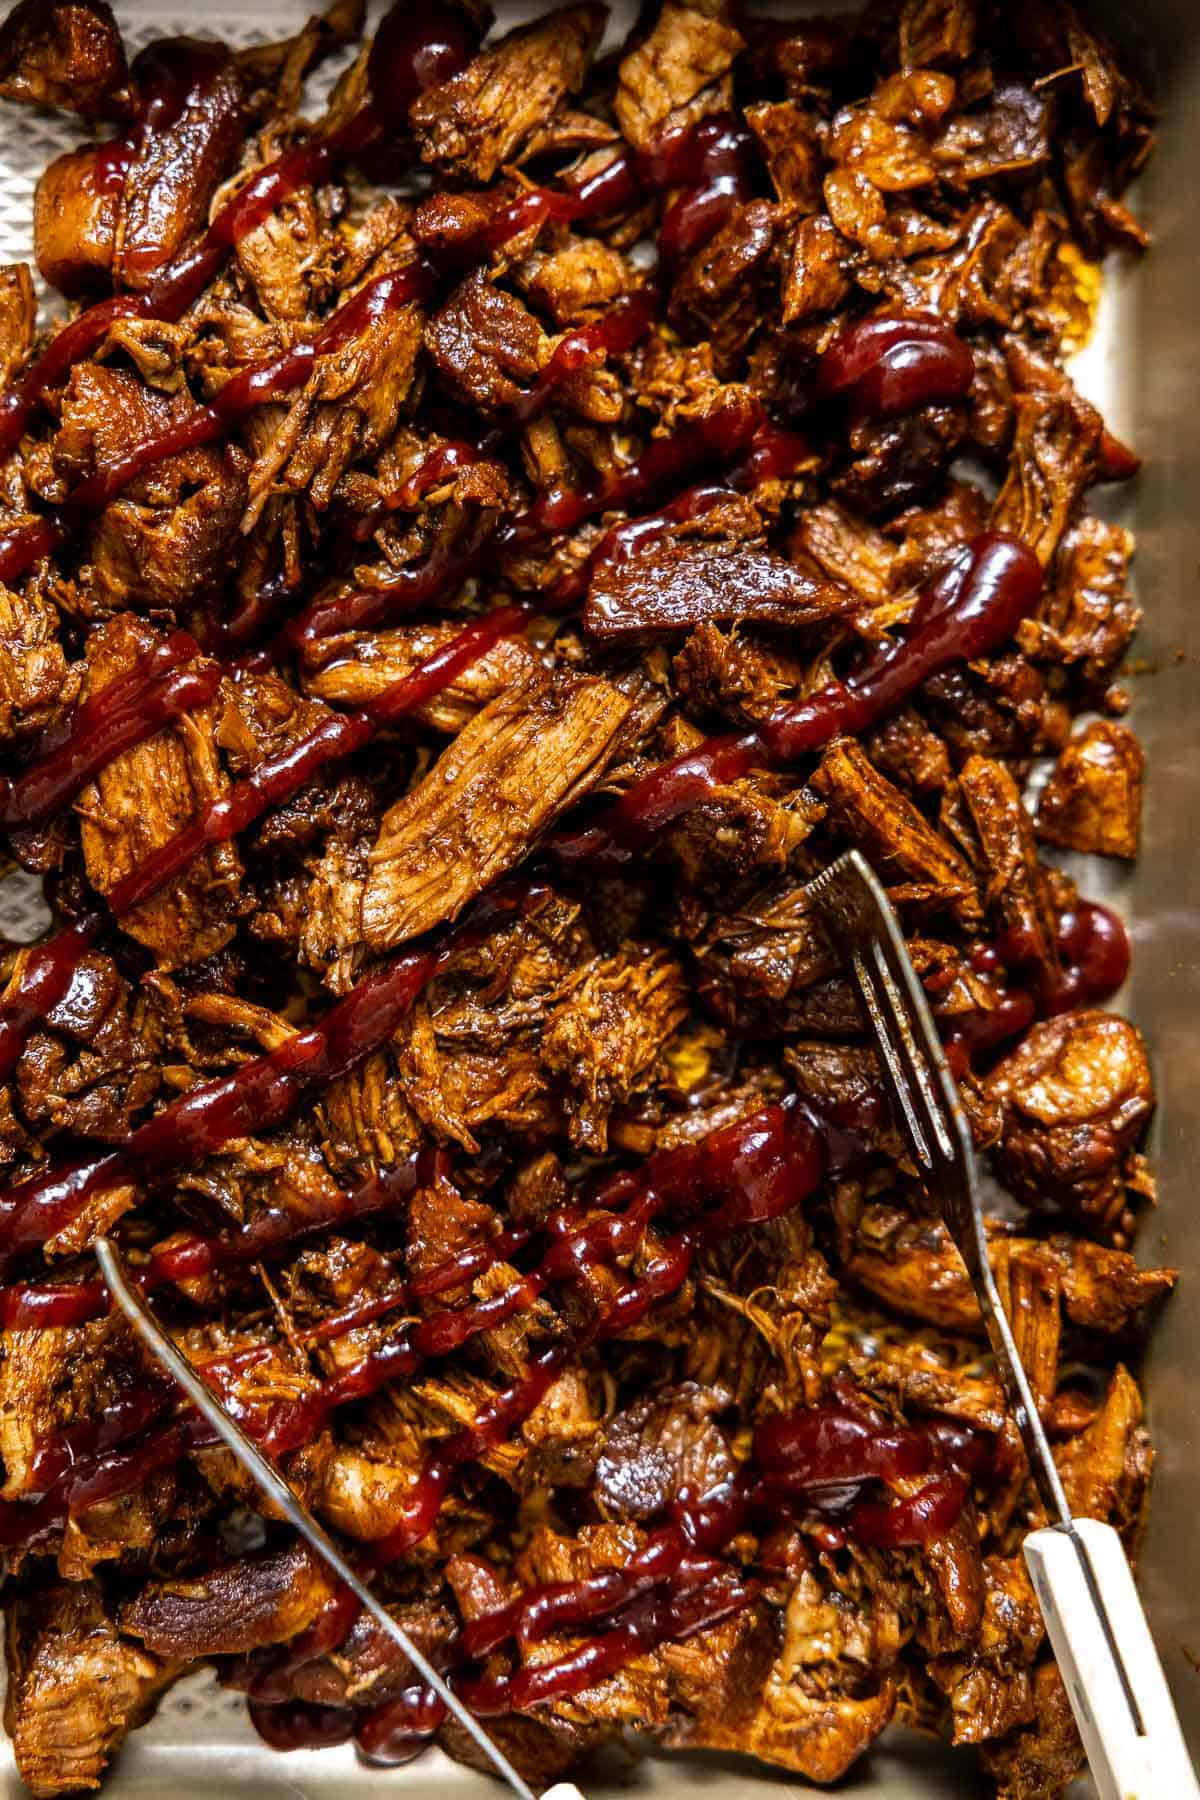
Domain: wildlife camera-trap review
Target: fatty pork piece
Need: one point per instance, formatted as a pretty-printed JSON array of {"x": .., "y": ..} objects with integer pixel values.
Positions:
[
  {"x": 506, "y": 98},
  {"x": 142, "y": 798},
  {"x": 1077, "y": 1095},
  {"x": 165, "y": 542},
  {"x": 712, "y": 568},
  {"x": 507, "y": 776},
  {"x": 76, "y": 1684},
  {"x": 64, "y": 53},
  {"x": 1093, "y": 798}
]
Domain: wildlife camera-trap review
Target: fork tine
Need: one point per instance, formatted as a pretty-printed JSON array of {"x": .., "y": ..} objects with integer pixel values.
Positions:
[{"x": 897, "y": 1078}]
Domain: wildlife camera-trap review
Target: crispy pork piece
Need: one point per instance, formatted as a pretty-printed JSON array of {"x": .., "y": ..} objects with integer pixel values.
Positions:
[
  {"x": 64, "y": 53},
  {"x": 76, "y": 1685},
  {"x": 700, "y": 571},
  {"x": 260, "y": 1599},
  {"x": 349, "y": 406},
  {"x": 176, "y": 168},
  {"x": 736, "y": 674},
  {"x": 1106, "y": 1468},
  {"x": 1093, "y": 799},
  {"x": 818, "y": 278},
  {"x": 673, "y": 76},
  {"x": 716, "y": 294},
  {"x": 1077, "y": 1096},
  {"x": 1015, "y": 889},
  {"x": 506, "y": 777},
  {"x": 1087, "y": 615},
  {"x": 18, "y": 318},
  {"x": 142, "y": 798},
  {"x": 928, "y": 869},
  {"x": 1040, "y": 1760},
  {"x": 848, "y": 550},
  {"x": 988, "y": 1686},
  {"x": 787, "y": 132},
  {"x": 577, "y": 281},
  {"x": 486, "y": 344},
  {"x": 481, "y": 118},
  {"x": 75, "y": 215},
  {"x": 1054, "y": 459},
  {"x": 37, "y": 684},
  {"x": 661, "y": 1448}
]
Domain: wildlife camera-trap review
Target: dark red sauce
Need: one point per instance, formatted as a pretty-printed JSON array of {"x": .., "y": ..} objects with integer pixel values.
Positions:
[
  {"x": 918, "y": 1520},
  {"x": 123, "y": 714},
  {"x": 712, "y": 163},
  {"x": 623, "y": 326},
  {"x": 968, "y": 610},
  {"x": 892, "y": 364},
  {"x": 44, "y": 980},
  {"x": 297, "y": 1725}
]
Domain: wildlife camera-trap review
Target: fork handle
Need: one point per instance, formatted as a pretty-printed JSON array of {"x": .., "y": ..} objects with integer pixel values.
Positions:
[{"x": 1126, "y": 1764}]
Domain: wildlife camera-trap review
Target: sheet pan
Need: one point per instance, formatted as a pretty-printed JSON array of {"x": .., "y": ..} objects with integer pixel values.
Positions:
[{"x": 1142, "y": 367}]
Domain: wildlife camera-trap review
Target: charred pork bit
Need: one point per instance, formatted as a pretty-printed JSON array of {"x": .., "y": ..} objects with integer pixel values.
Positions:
[{"x": 65, "y": 53}]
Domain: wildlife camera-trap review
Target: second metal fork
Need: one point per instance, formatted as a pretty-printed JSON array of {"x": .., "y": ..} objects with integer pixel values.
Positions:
[{"x": 1094, "y": 1617}]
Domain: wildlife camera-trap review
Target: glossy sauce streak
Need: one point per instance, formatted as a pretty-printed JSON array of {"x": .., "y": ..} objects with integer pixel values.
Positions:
[
  {"x": 894, "y": 363},
  {"x": 973, "y": 607}
]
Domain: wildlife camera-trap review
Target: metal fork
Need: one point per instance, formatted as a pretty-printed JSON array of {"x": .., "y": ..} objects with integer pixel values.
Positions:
[
  {"x": 1093, "y": 1615},
  {"x": 282, "y": 1496}
]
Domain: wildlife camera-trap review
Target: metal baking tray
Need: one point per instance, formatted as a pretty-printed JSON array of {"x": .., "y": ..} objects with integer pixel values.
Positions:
[{"x": 1142, "y": 368}]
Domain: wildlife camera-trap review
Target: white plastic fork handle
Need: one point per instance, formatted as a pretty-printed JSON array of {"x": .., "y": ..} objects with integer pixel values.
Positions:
[
  {"x": 1126, "y": 1764},
  {"x": 562, "y": 1790}
]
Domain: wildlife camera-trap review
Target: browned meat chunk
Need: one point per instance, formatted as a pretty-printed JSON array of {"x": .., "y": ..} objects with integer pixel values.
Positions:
[
  {"x": 667, "y": 80},
  {"x": 176, "y": 168},
  {"x": 36, "y": 681},
  {"x": 1015, "y": 887},
  {"x": 698, "y": 571},
  {"x": 716, "y": 294},
  {"x": 817, "y": 278},
  {"x": 375, "y": 663},
  {"x": 75, "y": 216},
  {"x": 506, "y": 777},
  {"x": 877, "y": 816},
  {"x": 486, "y": 344},
  {"x": 936, "y": 33},
  {"x": 1087, "y": 614},
  {"x": 18, "y": 318},
  {"x": 1054, "y": 459},
  {"x": 165, "y": 541},
  {"x": 1106, "y": 1468},
  {"x": 65, "y": 53},
  {"x": 478, "y": 120},
  {"x": 788, "y": 134},
  {"x": 1077, "y": 1096},
  {"x": 1093, "y": 799},
  {"x": 261, "y": 1599},
  {"x": 75, "y": 1685},
  {"x": 142, "y": 798},
  {"x": 847, "y": 549},
  {"x": 607, "y": 1035},
  {"x": 578, "y": 281},
  {"x": 660, "y": 1449},
  {"x": 1042, "y": 1758}
]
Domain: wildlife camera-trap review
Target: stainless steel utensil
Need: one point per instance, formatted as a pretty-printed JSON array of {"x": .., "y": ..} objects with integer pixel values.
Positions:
[
  {"x": 1093, "y": 1615},
  {"x": 275, "y": 1488}
]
